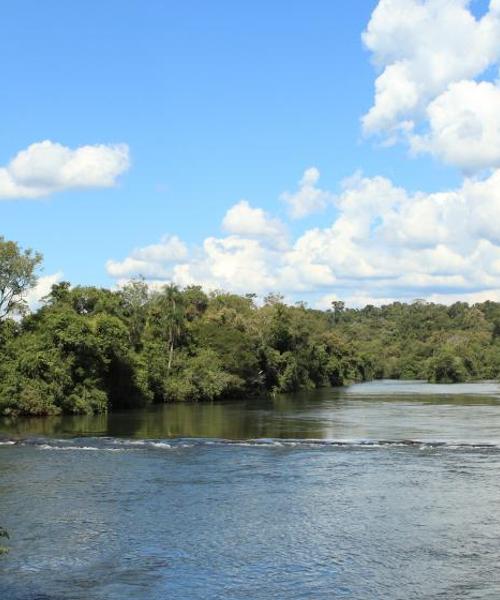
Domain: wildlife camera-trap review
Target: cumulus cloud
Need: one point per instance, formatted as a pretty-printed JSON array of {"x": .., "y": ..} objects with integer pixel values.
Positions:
[
  {"x": 308, "y": 199},
  {"x": 150, "y": 261},
  {"x": 240, "y": 261},
  {"x": 430, "y": 54},
  {"x": 464, "y": 126},
  {"x": 384, "y": 243},
  {"x": 232, "y": 263},
  {"x": 244, "y": 220},
  {"x": 48, "y": 167}
]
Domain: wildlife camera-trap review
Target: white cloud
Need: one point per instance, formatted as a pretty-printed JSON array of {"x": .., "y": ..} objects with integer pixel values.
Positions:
[
  {"x": 429, "y": 53},
  {"x": 241, "y": 261},
  {"x": 385, "y": 243},
  {"x": 150, "y": 261},
  {"x": 231, "y": 263},
  {"x": 48, "y": 167},
  {"x": 244, "y": 220},
  {"x": 471, "y": 298},
  {"x": 464, "y": 125},
  {"x": 308, "y": 199}
]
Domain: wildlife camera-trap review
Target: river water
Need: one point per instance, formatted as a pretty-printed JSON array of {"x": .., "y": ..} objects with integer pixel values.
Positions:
[{"x": 387, "y": 490}]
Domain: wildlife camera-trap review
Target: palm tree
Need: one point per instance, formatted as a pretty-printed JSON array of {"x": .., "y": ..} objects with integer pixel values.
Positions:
[{"x": 171, "y": 318}]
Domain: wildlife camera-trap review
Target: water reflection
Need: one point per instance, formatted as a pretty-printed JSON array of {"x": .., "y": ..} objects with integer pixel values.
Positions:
[
  {"x": 231, "y": 420},
  {"x": 379, "y": 410}
]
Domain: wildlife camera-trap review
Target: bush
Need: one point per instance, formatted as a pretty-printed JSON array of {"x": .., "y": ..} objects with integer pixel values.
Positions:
[
  {"x": 199, "y": 378},
  {"x": 446, "y": 367}
]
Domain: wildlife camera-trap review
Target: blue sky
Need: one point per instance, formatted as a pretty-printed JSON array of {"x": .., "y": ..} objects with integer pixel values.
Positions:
[{"x": 219, "y": 102}]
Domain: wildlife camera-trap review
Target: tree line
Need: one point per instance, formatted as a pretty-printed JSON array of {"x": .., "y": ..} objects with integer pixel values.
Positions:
[{"x": 90, "y": 350}]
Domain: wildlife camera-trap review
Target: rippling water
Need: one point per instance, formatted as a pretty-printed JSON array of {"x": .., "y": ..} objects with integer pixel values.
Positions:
[{"x": 385, "y": 490}]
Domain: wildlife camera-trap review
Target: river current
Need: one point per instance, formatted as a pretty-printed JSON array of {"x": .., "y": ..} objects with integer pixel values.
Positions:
[{"x": 387, "y": 490}]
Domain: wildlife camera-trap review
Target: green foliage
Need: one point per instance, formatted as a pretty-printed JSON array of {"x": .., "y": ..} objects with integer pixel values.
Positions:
[
  {"x": 427, "y": 341},
  {"x": 445, "y": 367},
  {"x": 200, "y": 377}
]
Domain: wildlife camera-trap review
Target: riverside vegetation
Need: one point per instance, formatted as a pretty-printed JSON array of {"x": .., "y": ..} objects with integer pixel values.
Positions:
[{"x": 90, "y": 350}]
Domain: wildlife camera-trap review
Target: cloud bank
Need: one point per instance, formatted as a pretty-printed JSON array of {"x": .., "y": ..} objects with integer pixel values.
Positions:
[{"x": 384, "y": 243}]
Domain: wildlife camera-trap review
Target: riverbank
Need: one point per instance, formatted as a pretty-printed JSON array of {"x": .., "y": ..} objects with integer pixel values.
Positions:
[{"x": 357, "y": 412}]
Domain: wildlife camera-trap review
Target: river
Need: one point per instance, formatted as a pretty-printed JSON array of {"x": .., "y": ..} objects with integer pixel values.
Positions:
[{"x": 385, "y": 490}]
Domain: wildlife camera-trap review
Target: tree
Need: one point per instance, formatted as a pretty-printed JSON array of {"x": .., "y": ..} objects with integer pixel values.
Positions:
[
  {"x": 135, "y": 296},
  {"x": 17, "y": 276},
  {"x": 447, "y": 367},
  {"x": 338, "y": 307},
  {"x": 168, "y": 316}
]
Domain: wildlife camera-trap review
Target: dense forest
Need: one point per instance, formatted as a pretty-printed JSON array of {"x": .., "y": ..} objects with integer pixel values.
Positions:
[{"x": 90, "y": 350}]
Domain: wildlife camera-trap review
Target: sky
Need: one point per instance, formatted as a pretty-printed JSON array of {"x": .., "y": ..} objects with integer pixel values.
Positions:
[{"x": 324, "y": 150}]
